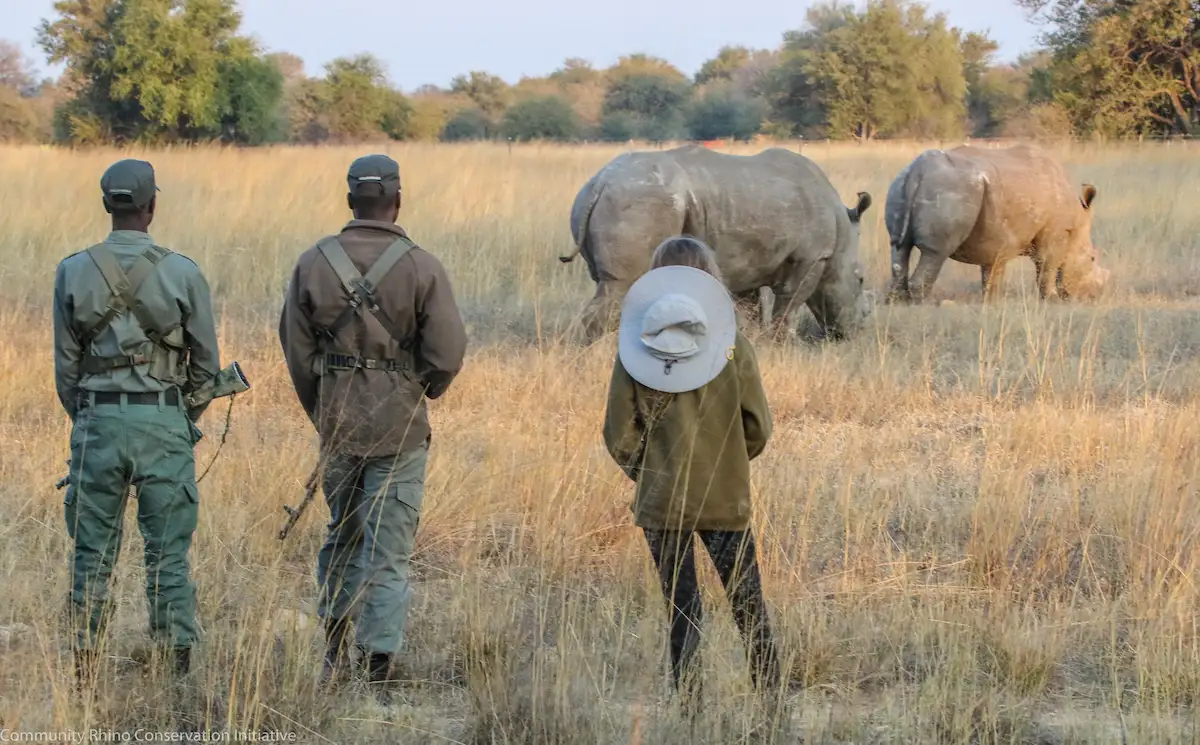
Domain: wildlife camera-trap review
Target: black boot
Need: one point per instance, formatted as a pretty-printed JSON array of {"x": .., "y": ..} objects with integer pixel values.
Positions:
[
  {"x": 334, "y": 666},
  {"x": 85, "y": 669},
  {"x": 183, "y": 661},
  {"x": 379, "y": 669}
]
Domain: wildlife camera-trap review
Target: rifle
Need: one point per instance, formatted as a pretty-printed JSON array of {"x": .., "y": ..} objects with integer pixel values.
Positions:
[
  {"x": 227, "y": 382},
  {"x": 294, "y": 513}
]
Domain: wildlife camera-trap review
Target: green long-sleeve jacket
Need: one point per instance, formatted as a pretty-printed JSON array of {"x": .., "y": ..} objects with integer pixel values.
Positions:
[
  {"x": 176, "y": 292},
  {"x": 690, "y": 452}
]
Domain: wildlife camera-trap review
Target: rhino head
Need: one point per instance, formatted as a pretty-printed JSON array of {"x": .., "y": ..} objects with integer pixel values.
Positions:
[
  {"x": 1082, "y": 275},
  {"x": 840, "y": 304}
]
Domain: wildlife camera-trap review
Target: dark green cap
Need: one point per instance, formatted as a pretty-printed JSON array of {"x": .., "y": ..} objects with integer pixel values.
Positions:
[
  {"x": 128, "y": 185},
  {"x": 374, "y": 175}
]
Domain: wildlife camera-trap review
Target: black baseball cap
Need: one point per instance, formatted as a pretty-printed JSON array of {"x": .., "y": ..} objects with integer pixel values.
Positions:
[
  {"x": 128, "y": 185},
  {"x": 373, "y": 176}
]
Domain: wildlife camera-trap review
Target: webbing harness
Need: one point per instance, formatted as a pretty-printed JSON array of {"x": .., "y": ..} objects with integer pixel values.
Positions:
[
  {"x": 123, "y": 288},
  {"x": 361, "y": 290}
]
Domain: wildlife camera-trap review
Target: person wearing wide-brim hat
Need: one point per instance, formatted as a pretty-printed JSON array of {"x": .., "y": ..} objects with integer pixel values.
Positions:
[{"x": 686, "y": 414}]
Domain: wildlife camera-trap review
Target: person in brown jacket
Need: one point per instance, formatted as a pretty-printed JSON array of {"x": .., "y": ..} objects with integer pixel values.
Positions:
[
  {"x": 686, "y": 414},
  {"x": 370, "y": 330}
]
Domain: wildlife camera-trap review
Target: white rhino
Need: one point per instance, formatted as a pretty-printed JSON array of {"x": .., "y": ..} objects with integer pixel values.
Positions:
[
  {"x": 987, "y": 207},
  {"x": 773, "y": 219}
]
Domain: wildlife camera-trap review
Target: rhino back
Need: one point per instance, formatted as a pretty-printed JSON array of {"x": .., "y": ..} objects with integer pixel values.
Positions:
[
  {"x": 756, "y": 211},
  {"x": 639, "y": 204},
  {"x": 1027, "y": 190}
]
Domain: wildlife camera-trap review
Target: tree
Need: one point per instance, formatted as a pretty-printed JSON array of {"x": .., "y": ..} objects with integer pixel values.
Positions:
[
  {"x": 728, "y": 61},
  {"x": 889, "y": 71},
  {"x": 652, "y": 97},
  {"x": 544, "y": 118},
  {"x": 723, "y": 112},
  {"x": 356, "y": 95},
  {"x": 15, "y": 72},
  {"x": 796, "y": 103},
  {"x": 148, "y": 69},
  {"x": 18, "y": 121},
  {"x": 575, "y": 71},
  {"x": 468, "y": 124},
  {"x": 1124, "y": 67},
  {"x": 250, "y": 91},
  {"x": 354, "y": 102},
  {"x": 290, "y": 66},
  {"x": 641, "y": 65},
  {"x": 489, "y": 92}
]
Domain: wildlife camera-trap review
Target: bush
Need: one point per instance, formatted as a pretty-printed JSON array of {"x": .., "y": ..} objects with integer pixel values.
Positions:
[
  {"x": 18, "y": 120},
  {"x": 725, "y": 114},
  {"x": 543, "y": 118},
  {"x": 468, "y": 124},
  {"x": 619, "y": 126},
  {"x": 397, "y": 121}
]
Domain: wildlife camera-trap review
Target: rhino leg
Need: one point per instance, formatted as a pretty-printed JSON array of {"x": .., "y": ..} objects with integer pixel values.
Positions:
[
  {"x": 601, "y": 313},
  {"x": 1048, "y": 276},
  {"x": 766, "y": 303},
  {"x": 901, "y": 258},
  {"x": 926, "y": 274},
  {"x": 992, "y": 278}
]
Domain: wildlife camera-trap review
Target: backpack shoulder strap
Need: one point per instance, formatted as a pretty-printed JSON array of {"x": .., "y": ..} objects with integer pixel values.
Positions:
[
  {"x": 331, "y": 249},
  {"x": 124, "y": 288},
  {"x": 362, "y": 289},
  {"x": 398, "y": 250}
]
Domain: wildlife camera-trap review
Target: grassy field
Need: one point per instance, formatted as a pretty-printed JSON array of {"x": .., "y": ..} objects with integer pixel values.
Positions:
[{"x": 979, "y": 524}]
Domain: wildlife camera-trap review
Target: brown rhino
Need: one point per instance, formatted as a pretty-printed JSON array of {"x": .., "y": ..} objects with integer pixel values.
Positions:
[
  {"x": 986, "y": 207},
  {"x": 773, "y": 219}
]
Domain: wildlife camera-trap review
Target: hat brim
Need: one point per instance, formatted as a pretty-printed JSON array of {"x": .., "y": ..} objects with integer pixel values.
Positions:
[{"x": 714, "y": 347}]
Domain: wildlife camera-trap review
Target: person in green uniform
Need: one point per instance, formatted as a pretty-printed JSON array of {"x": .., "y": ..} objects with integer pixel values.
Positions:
[{"x": 133, "y": 336}]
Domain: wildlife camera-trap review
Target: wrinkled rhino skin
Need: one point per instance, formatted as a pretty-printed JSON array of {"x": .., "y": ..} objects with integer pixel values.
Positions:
[
  {"x": 773, "y": 219},
  {"x": 987, "y": 207}
]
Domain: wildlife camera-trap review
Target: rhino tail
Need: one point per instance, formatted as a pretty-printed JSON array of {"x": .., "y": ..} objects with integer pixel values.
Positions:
[
  {"x": 904, "y": 236},
  {"x": 580, "y": 236}
]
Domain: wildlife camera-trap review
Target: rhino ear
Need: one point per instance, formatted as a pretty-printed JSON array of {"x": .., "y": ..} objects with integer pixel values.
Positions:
[
  {"x": 864, "y": 203},
  {"x": 1089, "y": 196}
]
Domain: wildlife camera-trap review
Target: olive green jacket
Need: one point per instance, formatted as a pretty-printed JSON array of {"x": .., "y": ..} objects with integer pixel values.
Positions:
[
  {"x": 690, "y": 452},
  {"x": 174, "y": 293}
]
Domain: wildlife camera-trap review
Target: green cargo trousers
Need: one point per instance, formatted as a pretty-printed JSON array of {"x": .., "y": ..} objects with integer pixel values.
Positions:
[
  {"x": 149, "y": 447},
  {"x": 363, "y": 568}
]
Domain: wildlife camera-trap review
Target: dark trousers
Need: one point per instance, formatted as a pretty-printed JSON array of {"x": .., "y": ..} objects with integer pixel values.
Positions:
[{"x": 733, "y": 555}]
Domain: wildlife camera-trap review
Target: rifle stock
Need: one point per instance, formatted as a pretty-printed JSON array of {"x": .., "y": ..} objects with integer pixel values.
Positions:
[
  {"x": 228, "y": 382},
  {"x": 294, "y": 513}
]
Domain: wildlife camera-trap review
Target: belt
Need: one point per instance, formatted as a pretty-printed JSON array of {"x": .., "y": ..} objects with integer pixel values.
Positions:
[
  {"x": 352, "y": 362},
  {"x": 170, "y": 397}
]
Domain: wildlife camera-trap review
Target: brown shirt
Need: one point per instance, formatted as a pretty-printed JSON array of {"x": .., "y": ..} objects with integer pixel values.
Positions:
[{"x": 372, "y": 413}]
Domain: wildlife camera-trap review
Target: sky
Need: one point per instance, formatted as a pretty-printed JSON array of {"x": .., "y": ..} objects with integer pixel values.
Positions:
[{"x": 432, "y": 41}]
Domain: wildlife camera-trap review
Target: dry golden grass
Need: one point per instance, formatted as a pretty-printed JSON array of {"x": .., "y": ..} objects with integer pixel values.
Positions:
[{"x": 979, "y": 524}]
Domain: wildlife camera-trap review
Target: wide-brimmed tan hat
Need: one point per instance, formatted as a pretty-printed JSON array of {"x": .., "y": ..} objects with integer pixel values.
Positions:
[{"x": 678, "y": 329}]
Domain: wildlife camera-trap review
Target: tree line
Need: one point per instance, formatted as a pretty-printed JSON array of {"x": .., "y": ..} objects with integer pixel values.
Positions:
[{"x": 171, "y": 71}]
